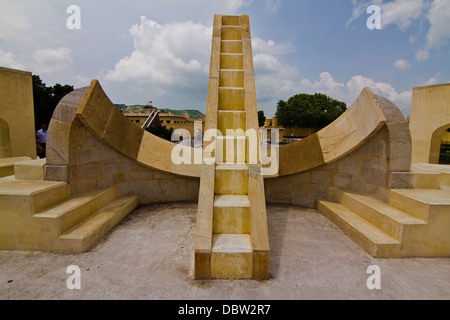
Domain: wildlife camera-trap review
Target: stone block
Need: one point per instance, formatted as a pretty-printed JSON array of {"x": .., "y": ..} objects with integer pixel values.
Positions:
[
  {"x": 30, "y": 170},
  {"x": 375, "y": 176},
  {"x": 300, "y": 189},
  {"x": 357, "y": 184},
  {"x": 112, "y": 167},
  {"x": 279, "y": 187},
  {"x": 317, "y": 191},
  {"x": 56, "y": 173},
  {"x": 348, "y": 166},
  {"x": 400, "y": 180},
  {"x": 321, "y": 178},
  {"x": 373, "y": 149},
  {"x": 231, "y": 78},
  {"x": 138, "y": 176},
  {"x": 231, "y": 33},
  {"x": 232, "y": 99},
  {"x": 88, "y": 170},
  {"x": 101, "y": 153},
  {"x": 332, "y": 194},
  {"x": 231, "y": 46},
  {"x": 342, "y": 180},
  {"x": 231, "y": 20}
]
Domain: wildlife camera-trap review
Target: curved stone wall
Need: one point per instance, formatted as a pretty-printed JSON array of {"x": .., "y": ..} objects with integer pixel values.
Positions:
[
  {"x": 92, "y": 145},
  {"x": 84, "y": 159}
]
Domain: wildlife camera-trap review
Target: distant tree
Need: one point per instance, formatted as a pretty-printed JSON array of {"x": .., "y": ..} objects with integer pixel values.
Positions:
[
  {"x": 261, "y": 118},
  {"x": 309, "y": 111},
  {"x": 46, "y": 99}
]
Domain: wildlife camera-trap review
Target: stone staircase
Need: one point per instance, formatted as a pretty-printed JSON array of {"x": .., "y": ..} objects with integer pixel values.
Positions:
[
  {"x": 236, "y": 245},
  {"x": 40, "y": 215},
  {"x": 7, "y": 165},
  {"x": 415, "y": 222}
]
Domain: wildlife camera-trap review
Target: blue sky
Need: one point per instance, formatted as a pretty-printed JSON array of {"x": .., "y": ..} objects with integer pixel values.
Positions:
[{"x": 160, "y": 50}]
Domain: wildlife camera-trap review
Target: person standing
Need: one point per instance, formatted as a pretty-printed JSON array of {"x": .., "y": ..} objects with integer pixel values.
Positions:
[{"x": 42, "y": 136}]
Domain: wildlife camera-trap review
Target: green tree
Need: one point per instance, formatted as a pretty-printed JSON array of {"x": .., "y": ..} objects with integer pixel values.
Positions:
[
  {"x": 261, "y": 118},
  {"x": 309, "y": 111},
  {"x": 46, "y": 99}
]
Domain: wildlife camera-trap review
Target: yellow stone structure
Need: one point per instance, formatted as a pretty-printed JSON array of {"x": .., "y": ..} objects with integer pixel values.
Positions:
[
  {"x": 16, "y": 133},
  {"x": 357, "y": 172},
  {"x": 169, "y": 120},
  {"x": 430, "y": 119},
  {"x": 232, "y": 240}
]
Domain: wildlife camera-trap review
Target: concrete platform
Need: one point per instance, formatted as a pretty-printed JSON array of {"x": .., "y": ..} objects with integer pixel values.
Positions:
[{"x": 150, "y": 256}]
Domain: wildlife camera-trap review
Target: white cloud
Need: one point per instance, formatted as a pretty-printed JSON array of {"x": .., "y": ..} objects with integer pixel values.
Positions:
[
  {"x": 165, "y": 56},
  {"x": 175, "y": 59},
  {"x": 402, "y": 64},
  {"x": 8, "y": 60},
  {"x": 402, "y": 12},
  {"x": 399, "y": 12},
  {"x": 274, "y": 79},
  {"x": 433, "y": 80},
  {"x": 234, "y": 5},
  {"x": 402, "y": 99},
  {"x": 273, "y": 5},
  {"x": 52, "y": 60},
  {"x": 326, "y": 84},
  {"x": 350, "y": 91},
  {"x": 439, "y": 32},
  {"x": 13, "y": 18}
]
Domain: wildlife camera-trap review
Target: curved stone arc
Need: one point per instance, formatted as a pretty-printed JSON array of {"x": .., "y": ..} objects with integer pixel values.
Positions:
[
  {"x": 58, "y": 136},
  {"x": 98, "y": 113},
  {"x": 362, "y": 120},
  {"x": 400, "y": 143}
]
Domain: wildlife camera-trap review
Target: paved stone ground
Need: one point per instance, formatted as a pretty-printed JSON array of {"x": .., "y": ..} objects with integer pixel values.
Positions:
[{"x": 150, "y": 256}]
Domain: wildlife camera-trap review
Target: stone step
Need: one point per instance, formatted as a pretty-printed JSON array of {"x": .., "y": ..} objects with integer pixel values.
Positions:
[
  {"x": 231, "y": 32},
  {"x": 232, "y": 257},
  {"x": 231, "y": 78},
  {"x": 7, "y": 165},
  {"x": 85, "y": 235},
  {"x": 29, "y": 197},
  {"x": 375, "y": 241},
  {"x": 231, "y": 46},
  {"x": 67, "y": 214},
  {"x": 428, "y": 180},
  {"x": 231, "y": 214},
  {"x": 380, "y": 214},
  {"x": 231, "y": 149},
  {"x": 421, "y": 203},
  {"x": 232, "y": 120},
  {"x": 30, "y": 169},
  {"x": 231, "y": 20},
  {"x": 231, "y": 179},
  {"x": 232, "y": 99},
  {"x": 231, "y": 61},
  {"x": 428, "y": 168}
]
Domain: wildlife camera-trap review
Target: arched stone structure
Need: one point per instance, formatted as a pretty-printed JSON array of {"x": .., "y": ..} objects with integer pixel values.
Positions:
[
  {"x": 430, "y": 117},
  {"x": 436, "y": 142},
  {"x": 79, "y": 154},
  {"x": 5, "y": 141}
]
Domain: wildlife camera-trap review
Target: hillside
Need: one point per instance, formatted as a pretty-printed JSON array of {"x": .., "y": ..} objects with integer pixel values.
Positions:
[
  {"x": 137, "y": 108},
  {"x": 191, "y": 113}
]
